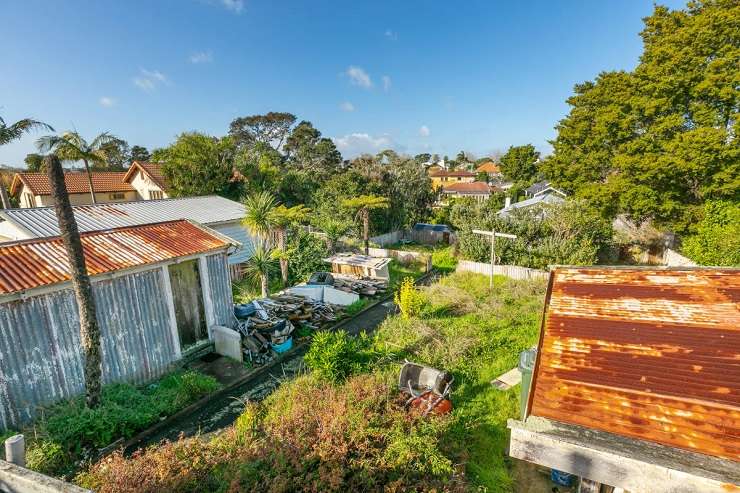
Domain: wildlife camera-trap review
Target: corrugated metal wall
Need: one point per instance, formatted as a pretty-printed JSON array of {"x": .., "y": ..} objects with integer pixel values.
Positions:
[
  {"x": 40, "y": 353},
  {"x": 220, "y": 283},
  {"x": 236, "y": 231}
]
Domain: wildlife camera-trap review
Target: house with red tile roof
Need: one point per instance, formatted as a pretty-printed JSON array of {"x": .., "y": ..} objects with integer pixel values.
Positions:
[
  {"x": 143, "y": 181},
  {"x": 477, "y": 190},
  {"x": 443, "y": 178}
]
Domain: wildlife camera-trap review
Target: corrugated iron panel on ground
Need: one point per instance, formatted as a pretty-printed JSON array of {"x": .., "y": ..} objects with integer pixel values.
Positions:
[
  {"x": 40, "y": 354},
  {"x": 646, "y": 353},
  {"x": 220, "y": 287},
  {"x": 41, "y": 222},
  {"x": 34, "y": 263}
]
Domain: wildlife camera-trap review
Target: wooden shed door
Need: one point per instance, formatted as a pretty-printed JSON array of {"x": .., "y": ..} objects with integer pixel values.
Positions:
[{"x": 188, "y": 299}]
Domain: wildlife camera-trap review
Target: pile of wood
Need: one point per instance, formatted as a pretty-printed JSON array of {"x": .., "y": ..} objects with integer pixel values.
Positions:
[
  {"x": 301, "y": 310},
  {"x": 363, "y": 286}
]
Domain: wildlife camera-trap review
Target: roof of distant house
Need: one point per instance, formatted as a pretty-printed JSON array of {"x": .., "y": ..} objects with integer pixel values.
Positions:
[
  {"x": 212, "y": 209},
  {"x": 152, "y": 170},
  {"x": 536, "y": 188},
  {"x": 460, "y": 173},
  {"x": 488, "y": 167},
  {"x": 34, "y": 263},
  {"x": 553, "y": 197},
  {"x": 76, "y": 182},
  {"x": 438, "y": 228},
  {"x": 473, "y": 188},
  {"x": 646, "y": 353}
]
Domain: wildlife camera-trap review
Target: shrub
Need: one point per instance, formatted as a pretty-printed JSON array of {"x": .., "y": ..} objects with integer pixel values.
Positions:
[
  {"x": 409, "y": 299},
  {"x": 48, "y": 457},
  {"x": 444, "y": 260},
  {"x": 356, "y": 307},
  {"x": 717, "y": 238},
  {"x": 336, "y": 355}
]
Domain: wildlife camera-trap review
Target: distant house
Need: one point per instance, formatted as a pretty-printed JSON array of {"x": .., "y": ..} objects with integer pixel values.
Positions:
[
  {"x": 635, "y": 381},
  {"x": 143, "y": 181},
  {"x": 490, "y": 168},
  {"x": 546, "y": 197},
  {"x": 539, "y": 188},
  {"x": 220, "y": 214},
  {"x": 430, "y": 234},
  {"x": 148, "y": 180},
  {"x": 478, "y": 190},
  {"x": 443, "y": 178}
]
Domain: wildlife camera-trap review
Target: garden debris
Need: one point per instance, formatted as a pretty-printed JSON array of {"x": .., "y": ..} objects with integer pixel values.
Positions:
[
  {"x": 363, "y": 286},
  {"x": 429, "y": 389},
  {"x": 508, "y": 380}
]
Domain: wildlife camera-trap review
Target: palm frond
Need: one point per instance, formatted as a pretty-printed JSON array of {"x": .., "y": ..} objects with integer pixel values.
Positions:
[
  {"x": 9, "y": 133},
  {"x": 258, "y": 214},
  {"x": 102, "y": 140}
]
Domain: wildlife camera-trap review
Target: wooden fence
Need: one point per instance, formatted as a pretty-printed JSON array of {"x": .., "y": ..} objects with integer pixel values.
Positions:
[
  {"x": 403, "y": 256},
  {"x": 388, "y": 238},
  {"x": 512, "y": 271}
]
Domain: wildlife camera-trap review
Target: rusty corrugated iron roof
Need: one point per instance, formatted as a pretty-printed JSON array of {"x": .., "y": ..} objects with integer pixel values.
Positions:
[
  {"x": 652, "y": 354},
  {"x": 40, "y": 262}
]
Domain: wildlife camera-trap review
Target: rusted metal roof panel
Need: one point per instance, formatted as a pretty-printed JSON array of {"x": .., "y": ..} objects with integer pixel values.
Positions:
[
  {"x": 652, "y": 354},
  {"x": 39, "y": 262}
]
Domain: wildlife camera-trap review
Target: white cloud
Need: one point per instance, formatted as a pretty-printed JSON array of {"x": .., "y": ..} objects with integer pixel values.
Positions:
[
  {"x": 424, "y": 131},
  {"x": 148, "y": 80},
  {"x": 359, "y": 143},
  {"x": 359, "y": 77},
  {"x": 347, "y": 106},
  {"x": 235, "y": 6},
  {"x": 201, "y": 57},
  {"x": 107, "y": 102},
  {"x": 391, "y": 35},
  {"x": 386, "y": 83}
]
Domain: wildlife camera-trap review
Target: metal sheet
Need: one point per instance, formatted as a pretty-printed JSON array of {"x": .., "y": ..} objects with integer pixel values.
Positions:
[
  {"x": 220, "y": 284},
  {"x": 237, "y": 232},
  {"x": 41, "y": 222},
  {"x": 646, "y": 353},
  {"x": 34, "y": 263},
  {"x": 40, "y": 352}
]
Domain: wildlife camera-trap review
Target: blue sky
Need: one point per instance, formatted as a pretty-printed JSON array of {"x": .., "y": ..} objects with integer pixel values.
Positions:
[{"x": 415, "y": 76}]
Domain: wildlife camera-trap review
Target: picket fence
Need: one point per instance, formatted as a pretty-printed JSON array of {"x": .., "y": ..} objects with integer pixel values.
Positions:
[{"x": 512, "y": 271}]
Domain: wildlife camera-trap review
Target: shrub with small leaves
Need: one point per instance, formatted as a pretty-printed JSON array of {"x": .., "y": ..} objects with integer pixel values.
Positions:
[
  {"x": 409, "y": 299},
  {"x": 336, "y": 355},
  {"x": 47, "y": 457}
]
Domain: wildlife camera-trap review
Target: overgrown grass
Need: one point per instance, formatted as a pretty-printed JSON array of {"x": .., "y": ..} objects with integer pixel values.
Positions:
[
  {"x": 399, "y": 271},
  {"x": 343, "y": 427},
  {"x": 356, "y": 307},
  {"x": 69, "y": 432}
]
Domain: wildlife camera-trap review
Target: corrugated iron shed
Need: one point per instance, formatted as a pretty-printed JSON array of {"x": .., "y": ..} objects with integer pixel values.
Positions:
[
  {"x": 652, "y": 354},
  {"x": 34, "y": 263}
]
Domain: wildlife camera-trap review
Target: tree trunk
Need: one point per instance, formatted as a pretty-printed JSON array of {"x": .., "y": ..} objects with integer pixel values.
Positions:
[
  {"x": 4, "y": 197},
  {"x": 89, "y": 329},
  {"x": 366, "y": 230},
  {"x": 89, "y": 181},
  {"x": 283, "y": 260},
  {"x": 330, "y": 244},
  {"x": 264, "y": 284}
]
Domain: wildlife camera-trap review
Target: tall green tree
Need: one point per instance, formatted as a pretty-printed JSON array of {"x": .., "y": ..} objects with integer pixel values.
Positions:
[
  {"x": 71, "y": 146},
  {"x": 271, "y": 128},
  {"x": 260, "y": 267},
  {"x": 198, "y": 164},
  {"x": 139, "y": 153},
  {"x": 363, "y": 205},
  {"x": 717, "y": 237},
  {"x": 34, "y": 162},
  {"x": 333, "y": 228},
  {"x": 519, "y": 164},
  {"x": 117, "y": 154},
  {"x": 306, "y": 149},
  {"x": 658, "y": 142},
  {"x": 258, "y": 218}
]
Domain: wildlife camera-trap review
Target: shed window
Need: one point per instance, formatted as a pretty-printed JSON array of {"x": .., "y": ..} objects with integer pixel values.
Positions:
[
  {"x": 116, "y": 196},
  {"x": 155, "y": 194}
]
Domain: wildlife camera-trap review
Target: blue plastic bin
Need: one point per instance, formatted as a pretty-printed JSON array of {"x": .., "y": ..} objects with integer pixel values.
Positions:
[
  {"x": 561, "y": 478},
  {"x": 281, "y": 348}
]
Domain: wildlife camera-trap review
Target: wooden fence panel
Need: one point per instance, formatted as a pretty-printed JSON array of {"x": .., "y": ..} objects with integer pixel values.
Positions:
[{"x": 512, "y": 271}]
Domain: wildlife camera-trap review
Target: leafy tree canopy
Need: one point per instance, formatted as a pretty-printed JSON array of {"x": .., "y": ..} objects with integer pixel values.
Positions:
[
  {"x": 661, "y": 140},
  {"x": 271, "y": 128},
  {"x": 139, "y": 153},
  {"x": 519, "y": 164},
  {"x": 34, "y": 162},
  {"x": 717, "y": 238}
]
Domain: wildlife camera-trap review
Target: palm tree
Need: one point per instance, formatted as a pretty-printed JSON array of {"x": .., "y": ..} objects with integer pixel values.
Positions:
[
  {"x": 333, "y": 229},
  {"x": 71, "y": 146},
  {"x": 260, "y": 266},
  {"x": 281, "y": 219},
  {"x": 363, "y": 205},
  {"x": 89, "y": 328},
  {"x": 258, "y": 216},
  {"x": 9, "y": 133}
]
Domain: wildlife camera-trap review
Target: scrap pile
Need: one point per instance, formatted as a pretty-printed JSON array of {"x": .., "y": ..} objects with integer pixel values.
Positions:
[
  {"x": 267, "y": 325},
  {"x": 363, "y": 286}
]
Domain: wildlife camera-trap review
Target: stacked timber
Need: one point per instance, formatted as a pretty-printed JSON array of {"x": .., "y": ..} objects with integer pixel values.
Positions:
[{"x": 363, "y": 286}]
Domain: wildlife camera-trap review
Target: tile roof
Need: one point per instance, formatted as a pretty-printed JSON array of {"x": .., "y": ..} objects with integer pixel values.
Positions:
[
  {"x": 488, "y": 167},
  {"x": 551, "y": 198},
  {"x": 42, "y": 221},
  {"x": 76, "y": 182},
  {"x": 153, "y": 170},
  {"x": 40, "y": 262},
  {"x": 476, "y": 187},
  {"x": 461, "y": 173},
  {"x": 652, "y": 354}
]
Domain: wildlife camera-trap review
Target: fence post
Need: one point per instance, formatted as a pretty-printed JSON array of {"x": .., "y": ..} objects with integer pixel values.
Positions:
[{"x": 15, "y": 450}]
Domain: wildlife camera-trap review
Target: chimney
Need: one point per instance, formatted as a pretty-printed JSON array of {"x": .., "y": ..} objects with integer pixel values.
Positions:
[{"x": 507, "y": 203}]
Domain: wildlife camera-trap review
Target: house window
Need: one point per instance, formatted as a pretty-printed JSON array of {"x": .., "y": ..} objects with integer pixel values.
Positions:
[
  {"x": 155, "y": 194},
  {"x": 116, "y": 196},
  {"x": 29, "y": 199}
]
